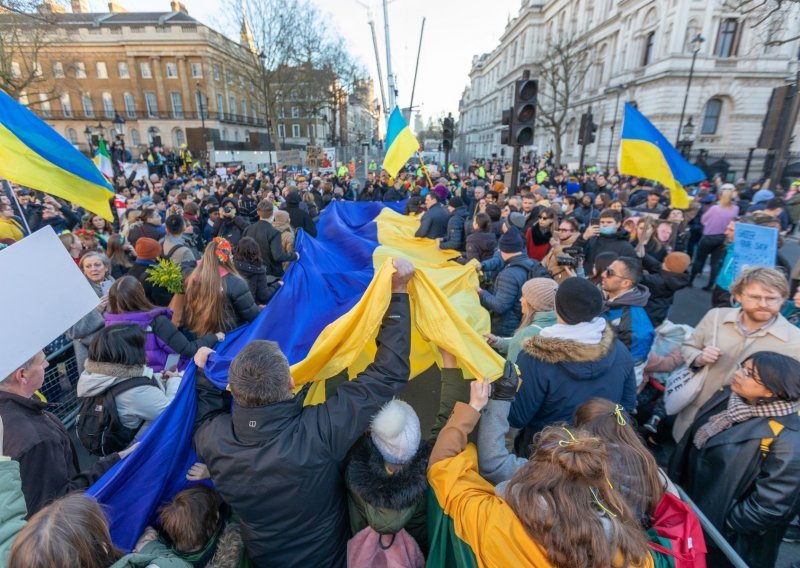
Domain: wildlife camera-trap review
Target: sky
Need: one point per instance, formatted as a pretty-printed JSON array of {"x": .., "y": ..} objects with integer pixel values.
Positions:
[{"x": 455, "y": 31}]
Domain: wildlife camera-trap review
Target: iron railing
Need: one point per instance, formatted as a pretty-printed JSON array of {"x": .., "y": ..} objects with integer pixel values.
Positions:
[{"x": 60, "y": 380}]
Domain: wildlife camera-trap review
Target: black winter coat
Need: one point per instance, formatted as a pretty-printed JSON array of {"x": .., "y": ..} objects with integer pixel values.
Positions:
[
  {"x": 434, "y": 223},
  {"x": 481, "y": 246},
  {"x": 262, "y": 287},
  {"x": 158, "y": 295},
  {"x": 269, "y": 241},
  {"x": 48, "y": 462},
  {"x": 281, "y": 466},
  {"x": 298, "y": 218},
  {"x": 504, "y": 302},
  {"x": 240, "y": 308},
  {"x": 754, "y": 501},
  {"x": 455, "y": 230},
  {"x": 662, "y": 286},
  {"x": 145, "y": 230},
  {"x": 617, "y": 243},
  {"x": 231, "y": 229}
]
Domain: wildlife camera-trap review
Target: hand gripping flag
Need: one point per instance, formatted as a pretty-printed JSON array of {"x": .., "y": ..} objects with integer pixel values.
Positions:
[
  {"x": 644, "y": 152},
  {"x": 36, "y": 156},
  {"x": 400, "y": 143},
  {"x": 325, "y": 318}
]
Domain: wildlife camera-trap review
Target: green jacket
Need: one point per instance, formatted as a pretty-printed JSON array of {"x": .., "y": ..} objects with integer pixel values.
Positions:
[
  {"x": 511, "y": 346},
  {"x": 12, "y": 506},
  {"x": 153, "y": 554}
]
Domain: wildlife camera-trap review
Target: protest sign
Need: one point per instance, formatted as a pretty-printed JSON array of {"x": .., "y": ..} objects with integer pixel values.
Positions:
[
  {"x": 289, "y": 158},
  {"x": 45, "y": 292},
  {"x": 754, "y": 245},
  {"x": 314, "y": 157}
]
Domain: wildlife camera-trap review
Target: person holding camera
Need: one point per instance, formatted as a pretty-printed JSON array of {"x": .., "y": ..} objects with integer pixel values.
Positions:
[
  {"x": 563, "y": 259},
  {"x": 230, "y": 225}
]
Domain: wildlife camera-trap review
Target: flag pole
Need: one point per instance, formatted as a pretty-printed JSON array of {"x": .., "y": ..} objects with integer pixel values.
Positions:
[
  {"x": 425, "y": 170},
  {"x": 7, "y": 188}
]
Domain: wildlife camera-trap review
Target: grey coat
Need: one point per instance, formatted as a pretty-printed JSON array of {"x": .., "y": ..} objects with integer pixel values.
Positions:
[{"x": 82, "y": 332}]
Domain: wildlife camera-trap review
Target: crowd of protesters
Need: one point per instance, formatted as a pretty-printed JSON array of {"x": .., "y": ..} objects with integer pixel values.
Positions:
[{"x": 578, "y": 273}]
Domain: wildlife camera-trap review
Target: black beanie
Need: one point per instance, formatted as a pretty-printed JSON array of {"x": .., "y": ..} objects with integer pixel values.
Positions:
[
  {"x": 511, "y": 241},
  {"x": 578, "y": 301},
  {"x": 456, "y": 201}
]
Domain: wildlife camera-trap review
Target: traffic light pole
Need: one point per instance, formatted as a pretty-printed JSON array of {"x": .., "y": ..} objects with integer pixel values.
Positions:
[{"x": 515, "y": 171}]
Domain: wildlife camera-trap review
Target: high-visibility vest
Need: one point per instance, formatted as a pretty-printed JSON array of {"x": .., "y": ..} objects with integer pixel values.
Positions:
[
  {"x": 373, "y": 166},
  {"x": 481, "y": 172}
]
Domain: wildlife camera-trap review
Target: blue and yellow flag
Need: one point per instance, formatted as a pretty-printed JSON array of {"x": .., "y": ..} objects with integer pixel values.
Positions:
[
  {"x": 400, "y": 143},
  {"x": 644, "y": 152},
  {"x": 36, "y": 156},
  {"x": 325, "y": 318}
]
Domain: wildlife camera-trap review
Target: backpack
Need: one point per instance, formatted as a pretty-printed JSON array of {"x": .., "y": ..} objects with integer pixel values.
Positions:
[
  {"x": 187, "y": 265},
  {"x": 534, "y": 269},
  {"x": 370, "y": 549},
  {"x": 675, "y": 522},
  {"x": 98, "y": 425}
]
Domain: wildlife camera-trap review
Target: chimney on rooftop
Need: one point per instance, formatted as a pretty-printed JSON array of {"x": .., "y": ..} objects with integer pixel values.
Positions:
[
  {"x": 116, "y": 8},
  {"x": 175, "y": 6},
  {"x": 80, "y": 6}
]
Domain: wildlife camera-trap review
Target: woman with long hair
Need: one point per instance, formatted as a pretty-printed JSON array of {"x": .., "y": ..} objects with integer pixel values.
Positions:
[
  {"x": 647, "y": 241},
  {"x": 217, "y": 299},
  {"x": 567, "y": 233},
  {"x": 119, "y": 252},
  {"x": 538, "y": 235},
  {"x": 102, "y": 229},
  {"x": 712, "y": 243},
  {"x": 128, "y": 303}
]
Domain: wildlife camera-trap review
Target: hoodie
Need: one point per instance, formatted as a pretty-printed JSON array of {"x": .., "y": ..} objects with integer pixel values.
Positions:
[
  {"x": 139, "y": 406},
  {"x": 663, "y": 285},
  {"x": 627, "y": 316},
  {"x": 558, "y": 375}
]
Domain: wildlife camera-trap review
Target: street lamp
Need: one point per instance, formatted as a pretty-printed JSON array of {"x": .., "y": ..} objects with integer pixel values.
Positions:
[
  {"x": 696, "y": 43},
  {"x": 119, "y": 124},
  {"x": 201, "y": 111},
  {"x": 687, "y": 140},
  {"x": 88, "y": 133}
]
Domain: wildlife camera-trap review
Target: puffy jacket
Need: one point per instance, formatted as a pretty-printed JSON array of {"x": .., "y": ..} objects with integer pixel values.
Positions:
[
  {"x": 163, "y": 338},
  {"x": 504, "y": 302},
  {"x": 240, "y": 308},
  {"x": 139, "y": 406},
  {"x": 280, "y": 466},
  {"x": 481, "y": 246},
  {"x": 617, "y": 243},
  {"x": 455, "y": 230},
  {"x": 231, "y": 229},
  {"x": 754, "y": 501},
  {"x": 626, "y": 313},
  {"x": 434, "y": 223},
  {"x": 269, "y": 242},
  {"x": 145, "y": 230},
  {"x": 662, "y": 285},
  {"x": 558, "y": 375},
  {"x": 262, "y": 287}
]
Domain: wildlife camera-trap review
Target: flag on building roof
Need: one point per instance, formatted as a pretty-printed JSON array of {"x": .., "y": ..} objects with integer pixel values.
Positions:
[
  {"x": 645, "y": 152},
  {"x": 400, "y": 143},
  {"x": 103, "y": 161},
  {"x": 335, "y": 296},
  {"x": 36, "y": 156}
]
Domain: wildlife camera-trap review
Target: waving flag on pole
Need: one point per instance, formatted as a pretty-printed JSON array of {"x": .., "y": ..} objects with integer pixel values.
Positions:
[
  {"x": 36, "y": 156},
  {"x": 335, "y": 297},
  {"x": 400, "y": 143},
  {"x": 103, "y": 161},
  {"x": 644, "y": 152}
]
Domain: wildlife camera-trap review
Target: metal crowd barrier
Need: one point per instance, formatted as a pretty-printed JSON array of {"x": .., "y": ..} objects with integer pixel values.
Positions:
[{"x": 60, "y": 380}]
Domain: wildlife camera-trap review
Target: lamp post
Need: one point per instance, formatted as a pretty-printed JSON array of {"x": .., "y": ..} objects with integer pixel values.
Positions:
[
  {"x": 202, "y": 113},
  {"x": 696, "y": 43},
  {"x": 687, "y": 141},
  {"x": 88, "y": 133},
  {"x": 618, "y": 90},
  {"x": 119, "y": 124}
]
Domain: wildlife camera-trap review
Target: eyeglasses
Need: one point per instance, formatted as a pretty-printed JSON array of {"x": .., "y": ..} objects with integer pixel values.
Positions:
[
  {"x": 748, "y": 373},
  {"x": 544, "y": 218},
  {"x": 768, "y": 300},
  {"x": 611, "y": 273}
]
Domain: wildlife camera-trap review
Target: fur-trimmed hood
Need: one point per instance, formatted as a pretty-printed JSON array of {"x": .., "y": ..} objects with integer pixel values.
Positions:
[
  {"x": 366, "y": 476},
  {"x": 99, "y": 377},
  {"x": 581, "y": 360}
]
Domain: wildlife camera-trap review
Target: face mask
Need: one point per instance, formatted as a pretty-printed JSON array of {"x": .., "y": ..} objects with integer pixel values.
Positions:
[
  {"x": 564, "y": 208},
  {"x": 608, "y": 231}
]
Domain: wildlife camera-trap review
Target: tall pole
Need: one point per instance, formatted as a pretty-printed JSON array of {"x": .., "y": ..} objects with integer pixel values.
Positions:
[
  {"x": 416, "y": 67},
  {"x": 392, "y": 85},
  {"x": 788, "y": 129},
  {"x": 697, "y": 42},
  {"x": 613, "y": 126},
  {"x": 515, "y": 170},
  {"x": 386, "y": 109}
]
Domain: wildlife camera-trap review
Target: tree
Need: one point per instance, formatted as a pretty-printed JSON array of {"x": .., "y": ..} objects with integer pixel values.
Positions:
[
  {"x": 562, "y": 73},
  {"x": 768, "y": 18}
]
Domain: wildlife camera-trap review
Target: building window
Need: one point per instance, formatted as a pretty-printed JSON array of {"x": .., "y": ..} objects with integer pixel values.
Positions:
[
  {"x": 281, "y": 130},
  {"x": 244, "y": 110},
  {"x": 728, "y": 38},
  {"x": 37, "y": 70},
  {"x": 241, "y": 81},
  {"x": 80, "y": 70},
  {"x": 224, "y": 134},
  {"x": 108, "y": 105},
  {"x": 172, "y": 70},
  {"x": 649, "y": 44},
  {"x": 144, "y": 70},
  {"x": 220, "y": 106},
  {"x": 711, "y": 116},
  {"x": 102, "y": 70},
  {"x": 72, "y": 136},
  {"x": 58, "y": 70},
  {"x": 311, "y": 131},
  {"x": 137, "y": 29},
  {"x": 151, "y": 102},
  {"x": 295, "y": 112},
  {"x": 235, "y": 135},
  {"x": 152, "y": 133},
  {"x": 215, "y": 71},
  {"x": 122, "y": 68},
  {"x": 247, "y": 136},
  {"x": 232, "y": 106},
  {"x": 295, "y": 131},
  {"x": 281, "y": 113},
  {"x": 130, "y": 105},
  {"x": 179, "y": 136},
  {"x": 229, "y": 77},
  {"x": 135, "y": 140},
  {"x": 44, "y": 106},
  {"x": 86, "y": 103},
  {"x": 15, "y": 70},
  {"x": 66, "y": 105},
  {"x": 197, "y": 70},
  {"x": 177, "y": 105}
]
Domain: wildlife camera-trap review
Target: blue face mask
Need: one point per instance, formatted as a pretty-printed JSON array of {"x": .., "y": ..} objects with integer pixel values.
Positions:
[{"x": 608, "y": 231}]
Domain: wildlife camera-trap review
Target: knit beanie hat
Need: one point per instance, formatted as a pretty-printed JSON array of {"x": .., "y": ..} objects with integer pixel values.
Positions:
[
  {"x": 578, "y": 301},
  {"x": 677, "y": 262},
  {"x": 396, "y": 432},
  {"x": 456, "y": 202},
  {"x": 540, "y": 293},
  {"x": 441, "y": 192},
  {"x": 516, "y": 219},
  {"x": 542, "y": 191},
  {"x": 511, "y": 241},
  {"x": 147, "y": 248}
]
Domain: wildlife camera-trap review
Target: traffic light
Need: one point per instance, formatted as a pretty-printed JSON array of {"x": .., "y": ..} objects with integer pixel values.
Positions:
[
  {"x": 524, "y": 116},
  {"x": 583, "y": 128},
  {"x": 448, "y": 132},
  {"x": 505, "y": 133},
  {"x": 591, "y": 130}
]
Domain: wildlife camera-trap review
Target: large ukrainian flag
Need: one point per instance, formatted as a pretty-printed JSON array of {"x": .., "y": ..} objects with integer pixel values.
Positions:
[
  {"x": 644, "y": 152},
  {"x": 325, "y": 318},
  {"x": 400, "y": 143},
  {"x": 36, "y": 156}
]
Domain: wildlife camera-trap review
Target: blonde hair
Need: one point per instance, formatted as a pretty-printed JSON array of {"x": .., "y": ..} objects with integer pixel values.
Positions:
[
  {"x": 726, "y": 197},
  {"x": 766, "y": 277}
]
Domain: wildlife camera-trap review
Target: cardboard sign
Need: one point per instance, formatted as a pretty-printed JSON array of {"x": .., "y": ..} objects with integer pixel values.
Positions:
[
  {"x": 289, "y": 158},
  {"x": 45, "y": 295},
  {"x": 754, "y": 245}
]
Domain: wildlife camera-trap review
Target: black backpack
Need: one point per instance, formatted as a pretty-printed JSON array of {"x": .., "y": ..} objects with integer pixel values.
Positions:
[
  {"x": 187, "y": 266},
  {"x": 98, "y": 425}
]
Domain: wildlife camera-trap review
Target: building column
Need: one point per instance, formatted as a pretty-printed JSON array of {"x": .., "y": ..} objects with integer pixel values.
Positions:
[
  {"x": 187, "y": 93},
  {"x": 161, "y": 92}
]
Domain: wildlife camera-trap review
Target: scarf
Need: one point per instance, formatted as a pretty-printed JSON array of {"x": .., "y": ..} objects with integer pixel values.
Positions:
[
  {"x": 738, "y": 411},
  {"x": 590, "y": 333}
]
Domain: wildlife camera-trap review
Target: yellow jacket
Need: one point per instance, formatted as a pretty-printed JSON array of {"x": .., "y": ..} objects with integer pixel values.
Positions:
[{"x": 10, "y": 229}]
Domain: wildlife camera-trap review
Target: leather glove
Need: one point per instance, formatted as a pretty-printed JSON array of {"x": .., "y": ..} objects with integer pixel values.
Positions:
[{"x": 505, "y": 388}]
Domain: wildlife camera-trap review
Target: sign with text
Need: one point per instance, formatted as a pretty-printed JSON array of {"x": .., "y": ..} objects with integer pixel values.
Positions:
[
  {"x": 754, "y": 245},
  {"x": 314, "y": 156},
  {"x": 289, "y": 158}
]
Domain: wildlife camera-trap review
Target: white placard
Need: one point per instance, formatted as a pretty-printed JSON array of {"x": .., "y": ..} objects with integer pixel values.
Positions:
[{"x": 44, "y": 294}]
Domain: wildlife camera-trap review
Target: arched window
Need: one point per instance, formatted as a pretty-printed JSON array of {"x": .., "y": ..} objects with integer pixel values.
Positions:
[
  {"x": 711, "y": 116},
  {"x": 224, "y": 135},
  {"x": 108, "y": 105},
  {"x": 649, "y": 45},
  {"x": 135, "y": 139},
  {"x": 72, "y": 136},
  {"x": 178, "y": 137},
  {"x": 152, "y": 132}
]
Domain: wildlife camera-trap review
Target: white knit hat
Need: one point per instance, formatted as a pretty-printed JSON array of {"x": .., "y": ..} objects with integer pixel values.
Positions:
[{"x": 396, "y": 432}]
